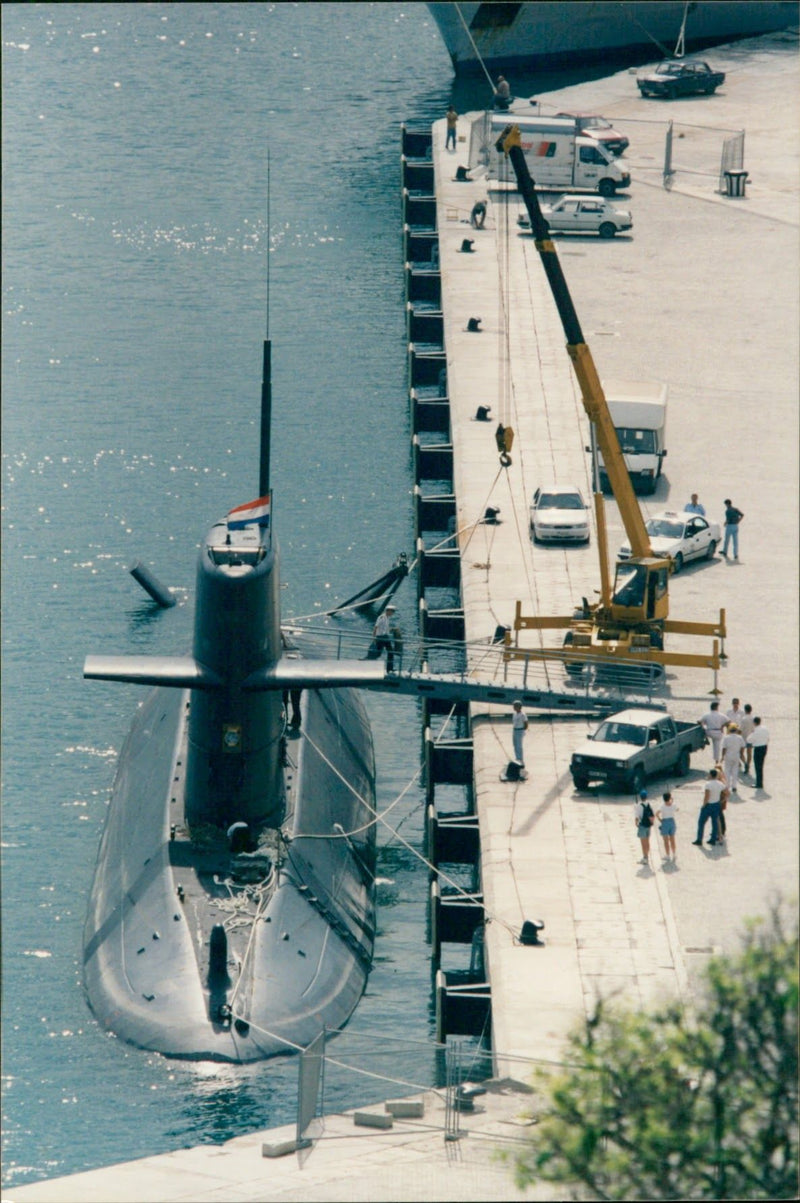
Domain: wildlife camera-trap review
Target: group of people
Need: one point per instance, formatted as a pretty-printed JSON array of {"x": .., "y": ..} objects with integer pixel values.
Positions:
[
  {"x": 733, "y": 517},
  {"x": 738, "y": 740}
]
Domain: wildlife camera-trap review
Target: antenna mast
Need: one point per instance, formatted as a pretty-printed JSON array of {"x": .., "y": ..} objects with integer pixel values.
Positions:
[{"x": 266, "y": 378}]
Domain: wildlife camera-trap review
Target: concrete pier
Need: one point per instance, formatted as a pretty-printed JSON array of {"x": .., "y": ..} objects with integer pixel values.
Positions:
[
  {"x": 684, "y": 300},
  {"x": 703, "y": 295}
]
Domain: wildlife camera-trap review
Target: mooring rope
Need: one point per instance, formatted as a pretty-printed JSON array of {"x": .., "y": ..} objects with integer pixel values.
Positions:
[
  {"x": 465, "y": 894},
  {"x": 474, "y": 47}
]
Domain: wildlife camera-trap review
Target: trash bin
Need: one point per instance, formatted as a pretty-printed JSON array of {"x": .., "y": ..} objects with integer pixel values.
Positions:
[{"x": 735, "y": 183}]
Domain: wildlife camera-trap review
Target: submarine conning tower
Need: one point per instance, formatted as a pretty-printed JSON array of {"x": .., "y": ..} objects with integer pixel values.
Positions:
[{"x": 234, "y": 762}]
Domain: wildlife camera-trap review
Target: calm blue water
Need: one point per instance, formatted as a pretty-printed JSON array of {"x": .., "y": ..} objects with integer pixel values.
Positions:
[{"x": 136, "y": 148}]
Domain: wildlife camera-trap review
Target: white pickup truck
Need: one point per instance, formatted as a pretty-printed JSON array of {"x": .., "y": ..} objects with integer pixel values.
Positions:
[{"x": 632, "y": 745}]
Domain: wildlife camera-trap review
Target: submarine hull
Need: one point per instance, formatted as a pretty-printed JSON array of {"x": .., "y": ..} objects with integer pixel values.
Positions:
[{"x": 292, "y": 918}]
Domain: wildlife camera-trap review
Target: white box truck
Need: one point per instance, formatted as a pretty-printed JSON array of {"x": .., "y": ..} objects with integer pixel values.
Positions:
[
  {"x": 638, "y": 410},
  {"x": 558, "y": 157}
]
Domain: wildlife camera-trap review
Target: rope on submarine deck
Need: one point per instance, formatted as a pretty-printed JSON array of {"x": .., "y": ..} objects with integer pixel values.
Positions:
[{"x": 467, "y": 897}]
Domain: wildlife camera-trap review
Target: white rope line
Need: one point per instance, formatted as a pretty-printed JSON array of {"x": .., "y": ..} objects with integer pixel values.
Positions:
[
  {"x": 480, "y": 521},
  {"x": 468, "y": 898},
  {"x": 299, "y": 1048},
  {"x": 474, "y": 47},
  {"x": 266, "y": 896},
  {"x": 367, "y": 1073},
  {"x": 368, "y": 1033}
]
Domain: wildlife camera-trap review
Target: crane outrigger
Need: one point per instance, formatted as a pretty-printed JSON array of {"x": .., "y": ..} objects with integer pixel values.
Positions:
[{"x": 631, "y": 618}]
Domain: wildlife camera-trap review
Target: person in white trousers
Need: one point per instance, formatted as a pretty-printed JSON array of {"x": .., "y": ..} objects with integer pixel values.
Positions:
[{"x": 732, "y": 745}]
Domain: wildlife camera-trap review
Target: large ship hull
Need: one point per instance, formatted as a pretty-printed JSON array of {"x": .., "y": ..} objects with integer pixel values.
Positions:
[{"x": 530, "y": 36}]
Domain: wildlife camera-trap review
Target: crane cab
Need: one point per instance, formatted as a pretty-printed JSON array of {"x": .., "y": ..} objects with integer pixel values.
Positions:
[{"x": 640, "y": 591}]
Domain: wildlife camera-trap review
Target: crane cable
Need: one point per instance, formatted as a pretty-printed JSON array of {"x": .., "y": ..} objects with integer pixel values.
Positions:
[{"x": 504, "y": 435}]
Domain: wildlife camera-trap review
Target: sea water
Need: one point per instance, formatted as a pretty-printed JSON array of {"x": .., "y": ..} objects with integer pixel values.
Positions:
[{"x": 153, "y": 154}]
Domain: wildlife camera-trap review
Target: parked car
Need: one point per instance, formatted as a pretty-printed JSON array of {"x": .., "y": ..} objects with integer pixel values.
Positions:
[
  {"x": 601, "y": 130},
  {"x": 632, "y": 745},
  {"x": 582, "y": 215},
  {"x": 677, "y": 77},
  {"x": 559, "y": 513},
  {"x": 681, "y": 537}
]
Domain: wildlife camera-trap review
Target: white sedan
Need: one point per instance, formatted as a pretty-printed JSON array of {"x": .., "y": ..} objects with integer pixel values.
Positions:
[
  {"x": 679, "y": 537},
  {"x": 559, "y": 513},
  {"x": 582, "y": 215}
]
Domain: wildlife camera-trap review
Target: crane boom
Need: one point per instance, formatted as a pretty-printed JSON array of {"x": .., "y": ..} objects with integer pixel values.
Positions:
[{"x": 594, "y": 401}]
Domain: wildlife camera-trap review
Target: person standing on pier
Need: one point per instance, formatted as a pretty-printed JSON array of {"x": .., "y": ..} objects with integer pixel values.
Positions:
[
  {"x": 710, "y": 809},
  {"x": 723, "y": 802},
  {"x": 732, "y": 747},
  {"x": 452, "y": 124},
  {"x": 643, "y": 817},
  {"x": 746, "y": 728},
  {"x": 519, "y": 725},
  {"x": 666, "y": 818},
  {"x": 714, "y": 724},
  {"x": 732, "y": 519},
  {"x": 695, "y": 507},
  {"x": 502, "y": 93},
  {"x": 758, "y": 740}
]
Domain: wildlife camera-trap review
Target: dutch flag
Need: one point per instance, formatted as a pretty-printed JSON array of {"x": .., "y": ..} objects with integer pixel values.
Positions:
[{"x": 250, "y": 514}]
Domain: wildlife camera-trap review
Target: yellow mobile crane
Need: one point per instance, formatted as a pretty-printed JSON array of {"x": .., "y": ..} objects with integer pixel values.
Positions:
[{"x": 630, "y": 620}]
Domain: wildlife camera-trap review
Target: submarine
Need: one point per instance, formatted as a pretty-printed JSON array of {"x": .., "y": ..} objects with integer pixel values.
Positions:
[{"x": 232, "y": 911}]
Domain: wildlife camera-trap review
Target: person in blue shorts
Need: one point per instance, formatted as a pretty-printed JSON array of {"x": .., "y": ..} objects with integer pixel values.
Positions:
[
  {"x": 667, "y": 826},
  {"x": 643, "y": 817}
]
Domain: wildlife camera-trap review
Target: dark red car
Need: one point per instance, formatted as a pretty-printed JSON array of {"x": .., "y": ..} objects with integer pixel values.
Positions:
[
  {"x": 677, "y": 77},
  {"x": 593, "y": 126}
]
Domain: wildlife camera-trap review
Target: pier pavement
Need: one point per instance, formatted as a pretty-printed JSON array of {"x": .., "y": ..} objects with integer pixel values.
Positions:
[{"x": 703, "y": 295}]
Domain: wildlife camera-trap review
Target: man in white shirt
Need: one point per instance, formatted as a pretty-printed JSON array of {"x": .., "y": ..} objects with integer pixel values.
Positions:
[
  {"x": 714, "y": 724},
  {"x": 746, "y": 725},
  {"x": 519, "y": 725},
  {"x": 710, "y": 809},
  {"x": 732, "y": 748},
  {"x": 694, "y": 506},
  {"x": 758, "y": 741},
  {"x": 383, "y": 636}
]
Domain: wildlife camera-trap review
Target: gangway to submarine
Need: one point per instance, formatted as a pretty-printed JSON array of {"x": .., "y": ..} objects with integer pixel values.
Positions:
[{"x": 451, "y": 671}]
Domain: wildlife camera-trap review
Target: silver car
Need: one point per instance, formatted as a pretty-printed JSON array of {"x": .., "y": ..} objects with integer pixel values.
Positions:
[
  {"x": 582, "y": 215},
  {"x": 679, "y": 537},
  {"x": 559, "y": 514}
]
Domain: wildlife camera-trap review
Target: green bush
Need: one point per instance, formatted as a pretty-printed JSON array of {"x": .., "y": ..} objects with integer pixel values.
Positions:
[{"x": 655, "y": 1107}]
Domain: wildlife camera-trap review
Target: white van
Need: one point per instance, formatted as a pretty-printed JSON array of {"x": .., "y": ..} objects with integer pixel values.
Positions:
[
  {"x": 638, "y": 410},
  {"x": 558, "y": 157}
]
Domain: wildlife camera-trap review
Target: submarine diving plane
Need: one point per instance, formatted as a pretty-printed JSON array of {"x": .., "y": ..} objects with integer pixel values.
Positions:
[{"x": 231, "y": 915}]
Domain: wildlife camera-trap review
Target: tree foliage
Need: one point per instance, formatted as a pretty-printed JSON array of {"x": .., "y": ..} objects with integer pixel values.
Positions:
[{"x": 655, "y": 1107}]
